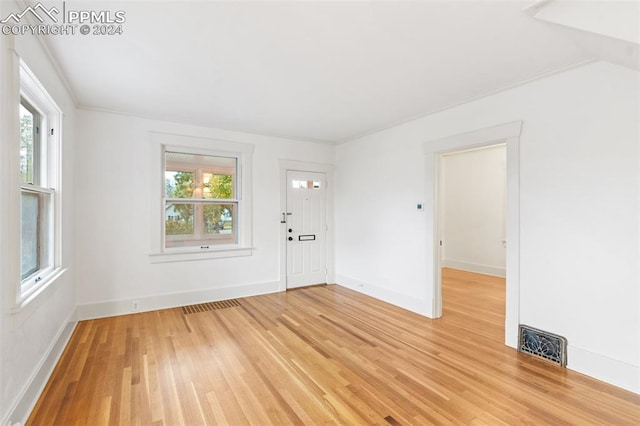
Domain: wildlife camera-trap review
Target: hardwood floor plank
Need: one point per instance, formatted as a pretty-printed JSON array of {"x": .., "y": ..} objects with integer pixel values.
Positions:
[{"x": 320, "y": 355}]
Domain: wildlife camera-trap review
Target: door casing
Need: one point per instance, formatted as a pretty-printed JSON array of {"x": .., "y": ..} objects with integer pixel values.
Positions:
[{"x": 509, "y": 134}]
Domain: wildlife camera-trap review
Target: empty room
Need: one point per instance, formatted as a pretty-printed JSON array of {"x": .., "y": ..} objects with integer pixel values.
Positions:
[{"x": 319, "y": 212}]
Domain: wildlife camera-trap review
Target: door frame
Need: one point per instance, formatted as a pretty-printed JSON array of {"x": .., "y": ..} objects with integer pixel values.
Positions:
[
  {"x": 303, "y": 166},
  {"x": 508, "y": 134}
]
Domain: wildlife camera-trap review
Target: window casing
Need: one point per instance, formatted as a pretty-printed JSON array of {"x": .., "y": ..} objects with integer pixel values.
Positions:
[
  {"x": 220, "y": 234},
  {"x": 39, "y": 129}
]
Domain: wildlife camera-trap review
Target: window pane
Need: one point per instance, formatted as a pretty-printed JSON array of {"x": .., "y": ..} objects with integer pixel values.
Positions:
[
  {"x": 30, "y": 232},
  {"x": 218, "y": 219},
  {"x": 217, "y": 186},
  {"x": 178, "y": 219},
  {"x": 179, "y": 184},
  {"x": 305, "y": 184},
  {"x": 27, "y": 149},
  {"x": 210, "y": 181}
]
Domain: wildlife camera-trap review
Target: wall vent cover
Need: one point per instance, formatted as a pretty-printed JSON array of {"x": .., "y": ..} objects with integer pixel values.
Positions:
[
  {"x": 210, "y": 306},
  {"x": 542, "y": 344}
]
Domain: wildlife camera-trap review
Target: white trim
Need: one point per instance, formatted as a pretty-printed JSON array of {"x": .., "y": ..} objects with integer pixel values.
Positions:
[
  {"x": 474, "y": 267},
  {"x": 609, "y": 370},
  {"x": 29, "y": 394},
  {"x": 173, "y": 300},
  {"x": 303, "y": 166},
  {"x": 509, "y": 134},
  {"x": 204, "y": 146},
  {"x": 34, "y": 292},
  {"x": 410, "y": 303},
  {"x": 216, "y": 252}
]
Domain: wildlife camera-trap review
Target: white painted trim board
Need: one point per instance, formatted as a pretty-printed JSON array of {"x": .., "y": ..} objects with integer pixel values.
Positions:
[{"x": 33, "y": 388}]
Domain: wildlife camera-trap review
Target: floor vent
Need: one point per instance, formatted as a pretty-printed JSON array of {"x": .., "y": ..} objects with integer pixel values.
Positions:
[
  {"x": 210, "y": 306},
  {"x": 545, "y": 345}
]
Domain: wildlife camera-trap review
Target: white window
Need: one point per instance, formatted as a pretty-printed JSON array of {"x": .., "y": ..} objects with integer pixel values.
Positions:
[
  {"x": 201, "y": 203},
  {"x": 205, "y": 203},
  {"x": 39, "y": 129}
]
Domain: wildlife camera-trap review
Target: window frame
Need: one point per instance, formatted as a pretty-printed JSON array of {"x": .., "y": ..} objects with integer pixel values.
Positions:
[
  {"x": 46, "y": 184},
  {"x": 33, "y": 187},
  {"x": 199, "y": 170},
  {"x": 243, "y": 153}
]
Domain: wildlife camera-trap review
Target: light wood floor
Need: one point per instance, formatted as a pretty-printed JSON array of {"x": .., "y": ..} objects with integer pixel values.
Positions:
[{"x": 320, "y": 355}]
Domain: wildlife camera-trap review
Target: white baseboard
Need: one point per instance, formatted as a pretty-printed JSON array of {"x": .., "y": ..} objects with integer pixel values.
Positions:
[
  {"x": 612, "y": 371},
  {"x": 474, "y": 267},
  {"x": 419, "y": 306},
  {"x": 29, "y": 394},
  {"x": 172, "y": 300}
]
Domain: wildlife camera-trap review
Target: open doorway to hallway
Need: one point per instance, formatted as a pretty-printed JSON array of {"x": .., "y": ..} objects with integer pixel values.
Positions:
[
  {"x": 508, "y": 134},
  {"x": 473, "y": 229}
]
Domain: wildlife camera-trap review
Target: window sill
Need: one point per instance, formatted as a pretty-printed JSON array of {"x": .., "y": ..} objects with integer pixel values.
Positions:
[
  {"x": 183, "y": 256},
  {"x": 35, "y": 293}
]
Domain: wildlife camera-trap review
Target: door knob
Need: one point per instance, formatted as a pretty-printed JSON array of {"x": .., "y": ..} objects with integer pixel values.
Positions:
[{"x": 290, "y": 238}]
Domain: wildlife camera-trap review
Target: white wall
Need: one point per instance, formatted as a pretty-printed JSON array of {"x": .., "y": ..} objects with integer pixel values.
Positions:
[
  {"x": 473, "y": 198},
  {"x": 30, "y": 339},
  {"x": 579, "y": 186},
  {"x": 114, "y": 268}
]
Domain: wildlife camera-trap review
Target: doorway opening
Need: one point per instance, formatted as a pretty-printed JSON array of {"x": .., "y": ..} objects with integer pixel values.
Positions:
[
  {"x": 509, "y": 135},
  {"x": 473, "y": 200}
]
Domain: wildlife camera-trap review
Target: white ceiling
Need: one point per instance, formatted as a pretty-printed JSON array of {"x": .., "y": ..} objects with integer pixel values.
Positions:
[{"x": 322, "y": 71}]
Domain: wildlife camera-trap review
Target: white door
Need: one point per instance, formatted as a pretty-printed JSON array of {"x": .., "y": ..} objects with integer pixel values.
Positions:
[{"x": 306, "y": 229}]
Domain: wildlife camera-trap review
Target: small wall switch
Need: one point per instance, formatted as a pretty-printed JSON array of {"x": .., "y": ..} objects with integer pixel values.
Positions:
[{"x": 420, "y": 206}]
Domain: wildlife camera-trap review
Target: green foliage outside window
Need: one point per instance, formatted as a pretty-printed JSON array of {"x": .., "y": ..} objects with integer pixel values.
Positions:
[
  {"x": 26, "y": 145},
  {"x": 216, "y": 217}
]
